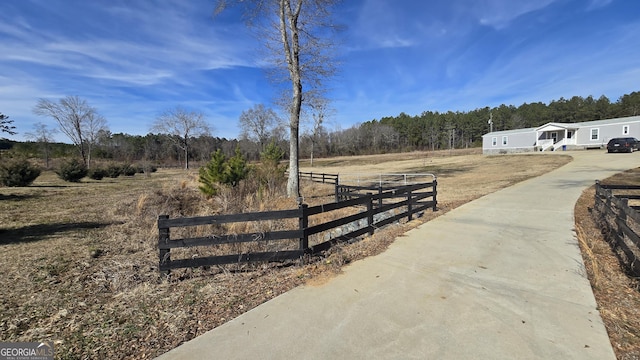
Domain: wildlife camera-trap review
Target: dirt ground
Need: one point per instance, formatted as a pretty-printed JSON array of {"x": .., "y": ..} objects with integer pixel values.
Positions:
[{"x": 80, "y": 260}]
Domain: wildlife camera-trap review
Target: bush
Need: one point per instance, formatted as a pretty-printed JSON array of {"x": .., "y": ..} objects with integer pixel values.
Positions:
[
  {"x": 270, "y": 173},
  {"x": 128, "y": 170},
  {"x": 113, "y": 171},
  {"x": 72, "y": 170},
  {"x": 146, "y": 168},
  {"x": 97, "y": 174},
  {"x": 236, "y": 170},
  {"x": 212, "y": 173},
  {"x": 219, "y": 170},
  {"x": 18, "y": 172}
]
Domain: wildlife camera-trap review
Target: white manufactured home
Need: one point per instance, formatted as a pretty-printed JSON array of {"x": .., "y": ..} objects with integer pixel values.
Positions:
[{"x": 561, "y": 136}]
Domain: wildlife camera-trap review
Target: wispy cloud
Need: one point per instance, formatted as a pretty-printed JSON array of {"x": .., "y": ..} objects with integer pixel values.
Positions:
[
  {"x": 596, "y": 4},
  {"x": 133, "y": 59},
  {"x": 500, "y": 13}
]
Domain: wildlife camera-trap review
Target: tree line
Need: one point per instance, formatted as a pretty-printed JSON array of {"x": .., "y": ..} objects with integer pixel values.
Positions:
[
  {"x": 436, "y": 131},
  {"x": 260, "y": 126}
]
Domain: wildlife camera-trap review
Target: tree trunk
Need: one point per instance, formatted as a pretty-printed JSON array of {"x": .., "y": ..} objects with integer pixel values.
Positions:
[
  {"x": 293, "y": 184},
  {"x": 83, "y": 153},
  {"x": 88, "y": 155},
  {"x": 290, "y": 40}
]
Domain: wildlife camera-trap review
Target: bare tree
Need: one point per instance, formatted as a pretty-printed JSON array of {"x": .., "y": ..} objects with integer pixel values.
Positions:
[
  {"x": 6, "y": 125},
  {"x": 258, "y": 124},
  {"x": 320, "y": 110},
  {"x": 73, "y": 115},
  {"x": 182, "y": 125},
  {"x": 94, "y": 126},
  {"x": 295, "y": 33},
  {"x": 42, "y": 134}
]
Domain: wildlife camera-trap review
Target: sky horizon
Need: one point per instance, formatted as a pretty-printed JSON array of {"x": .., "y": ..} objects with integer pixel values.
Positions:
[{"x": 134, "y": 60}]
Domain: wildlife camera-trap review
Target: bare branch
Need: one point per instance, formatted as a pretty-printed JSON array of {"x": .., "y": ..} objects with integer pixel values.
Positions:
[
  {"x": 182, "y": 125},
  {"x": 72, "y": 115},
  {"x": 293, "y": 33}
]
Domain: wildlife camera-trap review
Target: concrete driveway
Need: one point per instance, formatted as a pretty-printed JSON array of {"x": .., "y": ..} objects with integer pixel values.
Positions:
[{"x": 501, "y": 277}]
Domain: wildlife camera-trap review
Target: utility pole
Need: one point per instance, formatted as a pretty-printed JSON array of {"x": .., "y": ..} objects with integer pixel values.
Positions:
[{"x": 490, "y": 122}]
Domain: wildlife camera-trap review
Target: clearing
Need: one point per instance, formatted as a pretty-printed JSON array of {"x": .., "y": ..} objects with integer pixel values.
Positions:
[{"x": 80, "y": 260}]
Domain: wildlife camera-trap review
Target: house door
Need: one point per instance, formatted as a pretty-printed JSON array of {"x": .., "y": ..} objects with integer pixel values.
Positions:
[{"x": 554, "y": 136}]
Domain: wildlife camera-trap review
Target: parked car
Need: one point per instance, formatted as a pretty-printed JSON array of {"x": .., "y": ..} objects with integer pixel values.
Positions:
[{"x": 624, "y": 144}]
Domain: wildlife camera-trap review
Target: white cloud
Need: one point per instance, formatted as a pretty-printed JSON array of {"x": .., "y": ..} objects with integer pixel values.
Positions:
[
  {"x": 596, "y": 4},
  {"x": 500, "y": 13}
]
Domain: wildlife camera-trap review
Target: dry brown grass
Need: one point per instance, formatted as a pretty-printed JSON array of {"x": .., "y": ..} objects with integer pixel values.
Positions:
[
  {"x": 616, "y": 293},
  {"x": 79, "y": 261}
]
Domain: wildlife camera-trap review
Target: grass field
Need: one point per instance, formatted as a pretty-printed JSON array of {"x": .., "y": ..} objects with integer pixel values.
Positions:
[{"x": 80, "y": 260}]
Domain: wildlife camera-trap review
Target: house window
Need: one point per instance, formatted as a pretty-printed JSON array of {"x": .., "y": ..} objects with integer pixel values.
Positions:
[
  {"x": 494, "y": 141},
  {"x": 625, "y": 129},
  {"x": 504, "y": 140},
  {"x": 595, "y": 134}
]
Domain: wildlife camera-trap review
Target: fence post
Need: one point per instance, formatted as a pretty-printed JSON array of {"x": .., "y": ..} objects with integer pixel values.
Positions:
[
  {"x": 304, "y": 224},
  {"x": 409, "y": 206},
  {"x": 163, "y": 239},
  {"x": 370, "y": 213},
  {"x": 380, "y": 197},
  {"x": 435, "y": 193},
  {"x": 337, "y": 200},
  {"x": 607, "y": 193},
  {"x": 622, "y": 215}
]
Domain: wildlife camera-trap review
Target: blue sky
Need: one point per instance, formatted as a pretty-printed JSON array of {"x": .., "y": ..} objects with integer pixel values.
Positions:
[{"x": 133, "y": 59}]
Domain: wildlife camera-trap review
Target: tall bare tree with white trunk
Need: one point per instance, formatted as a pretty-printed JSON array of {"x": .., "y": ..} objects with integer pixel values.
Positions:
[{"x": 296, "y": 34}]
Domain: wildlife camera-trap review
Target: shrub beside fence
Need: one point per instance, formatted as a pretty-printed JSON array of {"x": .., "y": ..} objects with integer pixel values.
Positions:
[
  {"x": 620, "y": 222},
  {"x": 395, "y": 204}
]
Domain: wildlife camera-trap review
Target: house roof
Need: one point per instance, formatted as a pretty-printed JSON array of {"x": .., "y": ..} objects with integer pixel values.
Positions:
[
  {"x": 556, "y": 126},
  {"x": 507, "y": 132},
  {"x": 623, "y": 120}
]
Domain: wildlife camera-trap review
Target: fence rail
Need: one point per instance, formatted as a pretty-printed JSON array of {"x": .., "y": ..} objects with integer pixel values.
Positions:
[
  {"x": 620, "y": 222},
  {"x": 320, "y": 177},
  {"x": 384, "y": 180},
  {"x": 374, "y": 213}
]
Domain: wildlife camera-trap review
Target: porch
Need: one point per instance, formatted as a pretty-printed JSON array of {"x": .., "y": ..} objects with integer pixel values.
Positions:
[{"x": 554, "y": 136}]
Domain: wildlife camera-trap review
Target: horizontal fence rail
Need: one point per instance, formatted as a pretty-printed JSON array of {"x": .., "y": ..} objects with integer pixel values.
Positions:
[
  {"x": 385, "y": 179},
  {"x": 372, "y": 211},
  {"x": 620, "y": 221},
  {"x": 319, "y": 177}
]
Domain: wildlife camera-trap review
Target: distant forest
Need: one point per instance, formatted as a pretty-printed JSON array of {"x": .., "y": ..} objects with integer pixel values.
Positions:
[{"x": 427, "y": 131}]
